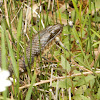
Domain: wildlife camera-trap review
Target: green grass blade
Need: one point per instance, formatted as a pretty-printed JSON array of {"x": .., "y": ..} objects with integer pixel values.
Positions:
[
  {"x": 3, "y": 53},
  {"x": 28, "y": 95},
  {"x": 13, "y": 60},
  {"x": 97, "y": 34},
  {"x": 75, "y": 6},
  {"x": 80, "y": 46},
  {"x": 19, "y": 34}
]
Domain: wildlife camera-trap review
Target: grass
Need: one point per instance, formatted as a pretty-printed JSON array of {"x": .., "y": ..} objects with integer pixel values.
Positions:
[{"x": 64, "y": 74}]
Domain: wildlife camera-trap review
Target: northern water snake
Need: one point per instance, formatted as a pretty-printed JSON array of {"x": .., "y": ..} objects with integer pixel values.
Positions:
[{"x": 47, "y": 37}]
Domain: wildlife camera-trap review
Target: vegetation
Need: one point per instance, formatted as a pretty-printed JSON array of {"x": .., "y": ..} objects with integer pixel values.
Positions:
[{"x": 68, "y": 71}]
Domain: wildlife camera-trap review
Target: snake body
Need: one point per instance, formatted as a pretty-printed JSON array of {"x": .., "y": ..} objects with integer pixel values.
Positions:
[{"x": 46, "y": 39}]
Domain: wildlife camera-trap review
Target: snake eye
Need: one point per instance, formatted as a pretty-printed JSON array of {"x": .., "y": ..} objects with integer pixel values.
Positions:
[
  {"x": 55, "y": 29},
  {"x": 53, "y": 33}
]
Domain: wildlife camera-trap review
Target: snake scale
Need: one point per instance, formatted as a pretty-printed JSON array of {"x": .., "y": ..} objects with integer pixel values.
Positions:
[{"x": 47, "y": 38}]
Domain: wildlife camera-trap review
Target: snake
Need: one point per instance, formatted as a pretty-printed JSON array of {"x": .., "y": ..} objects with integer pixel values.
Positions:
[{"x": 40, "y": 45}]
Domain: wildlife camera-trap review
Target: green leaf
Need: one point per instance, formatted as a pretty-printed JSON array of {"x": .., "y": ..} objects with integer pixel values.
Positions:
[
  {"x": 77, "y": 97},
  {"x": 92, "y": 83},
  {"x": 74, "y": 32},
  {"x": 81, "y": 97},
  {"x": 84, "y": 97},
  {"x": 83, "y": 81},
  {"x": 81, "y": 89},
  {"x": 3, "y": 53},
  {"x": 97, "y": 34},
  {"x": 66, "y": 83},
  {"x": 13, "y": 60},
  {"x": 96, "y": 43},
  {"x": 19, "y": 25},
  {"x": 28, "y": 95},
  {"x": 3, "y": 49},
  {"x": 98, "y": 94},
  {"x": 75, "y": 6},
  {"x": 56, "y": 53},
  {"x": 65, "y": 64},
  {"x": 97, "y": 4},
  {"x": 19, "y": 34}
]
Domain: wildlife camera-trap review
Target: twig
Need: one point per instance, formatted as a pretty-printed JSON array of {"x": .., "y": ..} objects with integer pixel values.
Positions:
[
  {"x": 6, "y": 12},
  {"x": 69, "y": 92},
  {"x": 17, "y": 13},
  {"x": 55, "y": 79},
  {"x": 51, "y": 76},
  {"x": 36, "y": 14}
]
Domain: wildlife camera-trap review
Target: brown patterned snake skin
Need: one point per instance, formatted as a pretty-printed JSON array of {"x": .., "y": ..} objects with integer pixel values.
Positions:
[{"x": 47, "y": 37}]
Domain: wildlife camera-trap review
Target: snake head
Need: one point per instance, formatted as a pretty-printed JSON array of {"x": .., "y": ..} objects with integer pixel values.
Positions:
[{"x": 55, "y": 30}]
